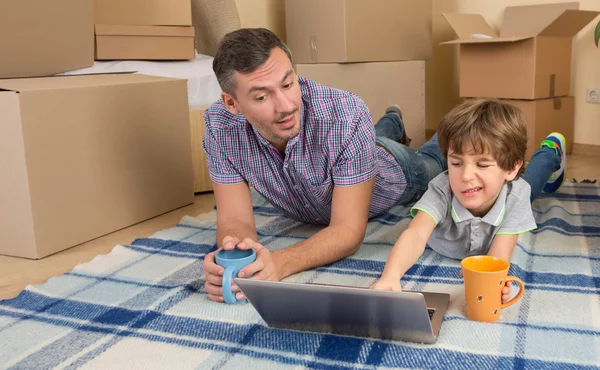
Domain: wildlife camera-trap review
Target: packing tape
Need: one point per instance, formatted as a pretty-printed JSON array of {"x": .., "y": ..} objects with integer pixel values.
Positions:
[
  {"x": 552, "y": 84},
  {"x": 557, "y": 103}
]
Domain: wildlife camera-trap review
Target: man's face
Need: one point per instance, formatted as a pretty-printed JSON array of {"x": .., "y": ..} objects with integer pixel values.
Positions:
[{"x": 270, "y": 99}]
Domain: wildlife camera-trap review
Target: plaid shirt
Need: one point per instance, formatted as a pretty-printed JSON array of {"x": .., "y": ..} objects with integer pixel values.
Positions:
[{"x": 335, "y": 146}]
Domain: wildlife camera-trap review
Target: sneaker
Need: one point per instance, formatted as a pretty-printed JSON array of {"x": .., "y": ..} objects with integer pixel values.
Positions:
[
  {"x": 404, "y": 140},
  {"x": 557, "y": 142}
]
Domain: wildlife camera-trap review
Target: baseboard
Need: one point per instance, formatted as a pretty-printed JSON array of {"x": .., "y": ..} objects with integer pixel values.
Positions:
[{"x": 586, "y": 149}]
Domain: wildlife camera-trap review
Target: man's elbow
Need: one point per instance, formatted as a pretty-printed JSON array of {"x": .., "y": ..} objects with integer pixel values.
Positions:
[{"x": 355, "y": 237}]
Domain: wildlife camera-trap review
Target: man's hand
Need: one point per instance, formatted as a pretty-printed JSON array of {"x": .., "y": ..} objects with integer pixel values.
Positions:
[
  {"x": 213, "y": 273},
  {"x": 262, "y": 269},
  {"x": 230, "y": 242},
  {"x": 387, "y": 284}
]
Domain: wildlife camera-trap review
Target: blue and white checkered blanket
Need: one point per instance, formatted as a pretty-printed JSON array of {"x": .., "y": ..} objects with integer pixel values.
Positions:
[{"x": 143, "y": 305}]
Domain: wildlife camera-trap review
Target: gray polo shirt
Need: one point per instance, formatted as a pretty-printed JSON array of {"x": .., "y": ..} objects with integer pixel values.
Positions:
[{"x": 458, "y": 233}]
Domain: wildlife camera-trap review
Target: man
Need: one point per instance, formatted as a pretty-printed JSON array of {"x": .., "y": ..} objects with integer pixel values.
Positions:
[{"x": 312, "y": 151}]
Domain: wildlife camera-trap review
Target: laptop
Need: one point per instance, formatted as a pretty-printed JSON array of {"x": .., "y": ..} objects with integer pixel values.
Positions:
[{"x": 406, "y": 316}]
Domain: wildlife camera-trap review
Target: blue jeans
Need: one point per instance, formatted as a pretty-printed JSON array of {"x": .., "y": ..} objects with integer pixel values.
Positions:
[
  {"x": 543, "y": 162},
  {"x": 419, "y": 166}
]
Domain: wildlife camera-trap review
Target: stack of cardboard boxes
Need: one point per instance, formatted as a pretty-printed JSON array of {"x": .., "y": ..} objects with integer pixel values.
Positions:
[
  {"x": 81, "y": 156},
  {"x": 374, "y": 49},
  {"x": 143, "y": 30},
  {"x": 33, "y": 44},
  {"x": 528, "y": 63}
]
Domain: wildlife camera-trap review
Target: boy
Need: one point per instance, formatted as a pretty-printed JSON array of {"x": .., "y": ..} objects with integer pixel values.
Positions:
[{"x": 479, "y": 205}]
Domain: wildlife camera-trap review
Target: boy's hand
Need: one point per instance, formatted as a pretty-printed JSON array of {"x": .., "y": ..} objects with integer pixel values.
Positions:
[
  {"x": 387, "y": 284},
  {"x": 506, "y": 291}
]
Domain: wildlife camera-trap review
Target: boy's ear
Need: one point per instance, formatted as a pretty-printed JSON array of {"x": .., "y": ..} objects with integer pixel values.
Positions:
[{"x": 510, "y": 175}]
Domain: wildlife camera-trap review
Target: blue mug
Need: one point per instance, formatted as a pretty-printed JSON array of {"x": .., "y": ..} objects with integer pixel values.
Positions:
[{"x": 233, "y": 261}]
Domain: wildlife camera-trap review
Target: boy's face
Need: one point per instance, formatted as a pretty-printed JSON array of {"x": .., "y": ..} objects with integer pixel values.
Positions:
[{"x": 476, "y": 179}]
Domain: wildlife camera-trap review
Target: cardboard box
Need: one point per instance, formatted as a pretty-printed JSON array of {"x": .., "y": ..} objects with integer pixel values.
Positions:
[
  {"x": 89, "y": 155},
  {"x": 115, "y": 42},
  {"x": 545, "y": 116},
  {"x": 341, "y": 31},
  {"x": 202, "y": 181},
  {"x": 42, "y": 38},
  {"x": 380, "y": 85},
  {"x": 529, "y": 59},
  {"x": 144, "y": 12}
]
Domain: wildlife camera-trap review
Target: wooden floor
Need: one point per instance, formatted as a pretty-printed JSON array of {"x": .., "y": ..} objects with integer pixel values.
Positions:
[{"x": 16, "y": 273}]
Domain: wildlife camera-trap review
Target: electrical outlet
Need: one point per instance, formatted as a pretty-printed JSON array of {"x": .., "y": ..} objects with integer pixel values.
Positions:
[{"x": 593, "y": 95}]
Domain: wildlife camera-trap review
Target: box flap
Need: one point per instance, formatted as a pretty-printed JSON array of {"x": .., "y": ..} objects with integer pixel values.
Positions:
[
  {"x": 122, "y": 30},
  {"x": 530, "y": 20},
  {"x": 80, "y": 81},
  {"x": 569, "y": 23},
  {"x": 466, "y": 25}
]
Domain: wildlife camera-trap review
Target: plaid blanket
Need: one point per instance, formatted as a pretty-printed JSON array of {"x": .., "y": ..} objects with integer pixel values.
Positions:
[{"x": 143, "y": 305}]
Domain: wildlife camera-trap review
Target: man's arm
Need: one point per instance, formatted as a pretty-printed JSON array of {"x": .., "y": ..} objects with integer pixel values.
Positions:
[
  {"x": 235, "y": 217},
  {"x": 341, "y": 238},
  {"x": 235, "y": 222}
]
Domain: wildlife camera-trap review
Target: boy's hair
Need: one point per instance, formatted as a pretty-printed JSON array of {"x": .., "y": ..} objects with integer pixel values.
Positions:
[
  {"x": 489, "y": 126},
  {"x": 244, "y": 51}
]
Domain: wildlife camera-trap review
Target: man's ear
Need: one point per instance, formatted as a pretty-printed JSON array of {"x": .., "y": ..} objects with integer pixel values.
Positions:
[
  {"x": 510, "y": 176},
  {"x": 230, "y": 103}
]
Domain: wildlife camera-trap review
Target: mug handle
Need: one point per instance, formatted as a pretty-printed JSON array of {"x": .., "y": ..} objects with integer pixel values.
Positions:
[
  {"x": 518, "y": 296},
  {"x": 228, "y": 295}
]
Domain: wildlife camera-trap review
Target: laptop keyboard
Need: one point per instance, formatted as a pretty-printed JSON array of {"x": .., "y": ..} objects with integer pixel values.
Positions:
[{"x": 430, "y": 311}]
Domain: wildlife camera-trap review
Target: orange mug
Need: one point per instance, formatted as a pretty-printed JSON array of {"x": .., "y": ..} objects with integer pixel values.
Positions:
[{"x": 485, "y": 276}]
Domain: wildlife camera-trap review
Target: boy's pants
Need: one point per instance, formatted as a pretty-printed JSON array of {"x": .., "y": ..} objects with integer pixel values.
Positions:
[{"x": 543, "y": 163}]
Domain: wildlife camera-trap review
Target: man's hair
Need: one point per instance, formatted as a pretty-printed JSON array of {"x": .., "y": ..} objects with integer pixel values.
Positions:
[
  {"x": 489, "y": 126},
  {"x": 244, "y": 51}
]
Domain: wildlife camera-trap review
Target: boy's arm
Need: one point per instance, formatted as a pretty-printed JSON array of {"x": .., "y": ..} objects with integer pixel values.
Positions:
[
  {"x": 406, "y": 251},
  {"x": 503, "y": 246},
  {"x": 517, "y": 220}
]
